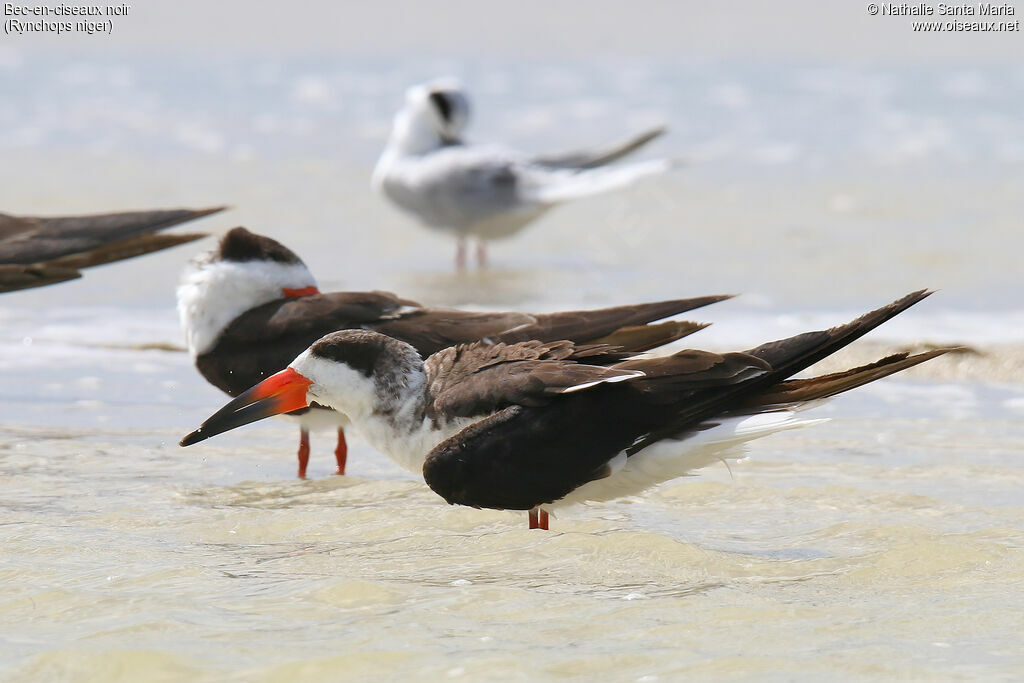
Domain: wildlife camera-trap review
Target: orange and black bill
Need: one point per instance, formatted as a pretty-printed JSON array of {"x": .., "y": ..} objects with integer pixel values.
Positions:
[{"x": 279, "y": 393}]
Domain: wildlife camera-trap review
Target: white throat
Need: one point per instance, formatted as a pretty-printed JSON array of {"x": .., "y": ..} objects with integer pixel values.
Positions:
[
  {"x": 214, "y": 292},
  {"x": 389, "y": 412},
  {"x": 415, "y": 132}
]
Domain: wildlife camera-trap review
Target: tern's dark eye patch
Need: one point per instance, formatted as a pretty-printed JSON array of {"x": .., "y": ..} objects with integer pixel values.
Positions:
[{"x": 443, "y": 104}]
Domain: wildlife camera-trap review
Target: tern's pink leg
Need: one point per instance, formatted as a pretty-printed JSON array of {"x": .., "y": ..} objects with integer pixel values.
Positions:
[
  {"x": 481, "y": 254},
  {"x": 341, "y": 452},
  {"x": 303, "y": 451},
  {"x": 460, "y": 254}
]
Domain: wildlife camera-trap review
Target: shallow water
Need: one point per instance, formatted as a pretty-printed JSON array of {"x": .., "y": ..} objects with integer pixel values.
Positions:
[
  {"x": 886, "y": 543},
  {"x": 872, "y": 546}
]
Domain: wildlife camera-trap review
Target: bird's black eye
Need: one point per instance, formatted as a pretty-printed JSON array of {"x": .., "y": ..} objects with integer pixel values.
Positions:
[{"x": 443, "y": 104}]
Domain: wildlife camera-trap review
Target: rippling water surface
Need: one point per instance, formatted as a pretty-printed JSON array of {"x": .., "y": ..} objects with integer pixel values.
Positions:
[{"x": 884, "y": 544}]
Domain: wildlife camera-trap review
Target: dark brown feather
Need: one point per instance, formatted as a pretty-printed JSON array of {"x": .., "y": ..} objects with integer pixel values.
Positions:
[
  {"x": 825, "y": 386},
  {"x": 264, "y": 340},
  {"x": 479, "y": 379},
  {"x": 639, "y": 338},
  {"x": 43, "y": 251},
  {"x": 267, "y": 338},
  {"x": 786, "y": 357},
  {"x": 53, "y": 238},
  {"x": 241, "y": 245},
  {"x": 125, "y": 249},
  {"x": 603, "y": 321},
  {"x": 27, "y": 276},
  {"x": 527, "y": 455},
  {"x": 13, "y": 278}
]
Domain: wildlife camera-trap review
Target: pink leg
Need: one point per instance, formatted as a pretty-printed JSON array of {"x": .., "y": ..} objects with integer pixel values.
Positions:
[
  {"x": 341, "y": 452},
  {"x": 303, "y": 451},
  {"x": 534, "y": 524},
  {"x": 460, "y": 254},
  {"x": 542, "y": 522},
  {"x": 481, "y": 254}
]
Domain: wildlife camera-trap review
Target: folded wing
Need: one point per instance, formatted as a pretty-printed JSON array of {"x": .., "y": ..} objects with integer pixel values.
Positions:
[
  {"x": 41, "y": 251},
  {"x": 528, "y": 455}
]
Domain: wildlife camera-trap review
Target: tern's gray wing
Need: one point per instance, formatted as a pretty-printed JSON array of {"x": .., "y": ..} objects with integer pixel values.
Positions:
[
  {"x": 459, "y": 185},
  {"x": 493, "y": 192},
  {"x": 592, "y": 158}
]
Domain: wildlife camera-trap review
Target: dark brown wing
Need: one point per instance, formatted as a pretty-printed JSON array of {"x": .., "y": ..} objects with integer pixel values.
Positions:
[
  {"x": 266, "y": 339},
  {"x": 479, "y": 379},
  {"x": 592, "y": 325},
  {"x": 796, "y": 391},
  {"x": 13, "y": 278},
  {"x": 27, "y": 276},
  {"x": 786, "y": 357},
  {"x": 639, "y": 338},
  {"x": 124, "y": 249},
  {"x": 52, "y": 238},
  {"x": 530, "y": 454},
  {"x": 431, "y": 330},
  {"x": 43, "y": 251},
  {"x": 16, "y": 227},
  {"x": 526, "y": 456}
]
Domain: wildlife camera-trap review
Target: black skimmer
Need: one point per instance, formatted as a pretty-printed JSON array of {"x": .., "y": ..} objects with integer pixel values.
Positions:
[
  {"x": 534, "y": 426},
  {"x": 38, "y": 251},
  {"x": 487, "y": 192},
  {"x": 251, "y": 305}
]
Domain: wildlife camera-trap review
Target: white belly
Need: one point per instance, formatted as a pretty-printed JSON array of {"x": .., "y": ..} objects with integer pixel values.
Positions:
[
  {"x": 669, "y": 459},
  {"x": 320, "y": 420}
]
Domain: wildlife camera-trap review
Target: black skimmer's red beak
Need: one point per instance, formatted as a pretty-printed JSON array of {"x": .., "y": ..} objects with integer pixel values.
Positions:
[{"x": 279, "y": 393}]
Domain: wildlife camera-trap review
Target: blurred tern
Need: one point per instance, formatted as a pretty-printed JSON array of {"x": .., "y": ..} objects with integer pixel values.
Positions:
[
  {"x": 534, "y": 426},
  {"x": 486, "y": 191},
  {"x": 251, "y": 305}
]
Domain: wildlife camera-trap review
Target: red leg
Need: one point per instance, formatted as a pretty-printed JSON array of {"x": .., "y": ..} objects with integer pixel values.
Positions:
[
  {"x": 481, "y": 254},
  {"x": 542, "y": 523},
  {"x": 460, "y": 254},
  {"x": 341, "y": 452},
  {"x": 303, "y": 451},
  {"x": 534, "y": 524}
]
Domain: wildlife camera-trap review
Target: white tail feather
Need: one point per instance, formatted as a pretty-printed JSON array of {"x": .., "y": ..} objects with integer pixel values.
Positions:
[{"x": 585, "y": 183}]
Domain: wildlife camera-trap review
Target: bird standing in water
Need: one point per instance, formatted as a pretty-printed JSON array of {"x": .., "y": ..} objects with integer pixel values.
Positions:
[
  {"x": 535, "y": 426},
  {"x": 250, "y": 306},
  {"x": 486, "y": 192}
]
